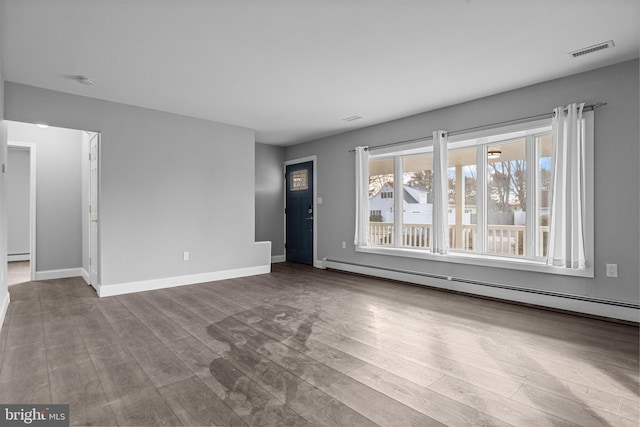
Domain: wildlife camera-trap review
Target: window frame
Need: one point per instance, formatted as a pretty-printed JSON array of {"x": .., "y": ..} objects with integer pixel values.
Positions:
[{"x": 480, "y": 257}]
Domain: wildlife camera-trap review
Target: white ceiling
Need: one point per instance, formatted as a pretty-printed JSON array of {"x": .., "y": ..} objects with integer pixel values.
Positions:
[{"x": 292, "y": 70}]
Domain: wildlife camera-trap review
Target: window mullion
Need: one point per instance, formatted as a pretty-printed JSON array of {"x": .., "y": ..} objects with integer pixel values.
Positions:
[
  {"x": 531, "y": 162},
  {"x": 481, "y": 199},
  {"x": 397, "y": 201}
]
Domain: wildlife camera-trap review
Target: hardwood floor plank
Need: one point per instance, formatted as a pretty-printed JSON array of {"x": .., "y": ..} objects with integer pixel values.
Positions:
[
  {"x": 352, "y": 393},
  {"x": 196, "y": 405},
  {"x": 138, "y": 305},
  {"x": 495, "y": 405},
  {"x": 59, "y": 358},
  {"x": 78, "y": 385},
  {"x": 67, "y": 341},
  {"x": 57, "y": 320},
  {"x": 120, "y": 374},
  {"x": 133, "y": 333},
  {"x": 568, "y": 409},
  {"x": 20, "y": 335},
  {"x": 178, "y": 313},
  {"x": 290, "y": 389},
  {"x": 147, "y": 408},
  {"x": 160, "y": 364},
  {"x": 441, "y": 408},
  {"x": 124, "y": 380},
  {"x": 31, "y": 388},
  {"x": 93, "y": 327},
  {"x": 113, "y": 310},
  {"x": 194, "y": 354},
  {"x": 584, "y": 384},
  {"x": 164, "y": 328},
  {"x": 23, "y": 361},
  {"x": 629, "y": 409}
]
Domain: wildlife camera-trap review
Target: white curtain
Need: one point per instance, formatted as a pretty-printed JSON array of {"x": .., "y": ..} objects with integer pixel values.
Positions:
[
  {"x": 362, "y": 197},
  {"x": 440, "y": 242},
  {"x": 566, "y": 234}
]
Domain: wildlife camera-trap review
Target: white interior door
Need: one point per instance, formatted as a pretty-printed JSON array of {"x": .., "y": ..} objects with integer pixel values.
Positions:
[{"x": 93, "y": 212}]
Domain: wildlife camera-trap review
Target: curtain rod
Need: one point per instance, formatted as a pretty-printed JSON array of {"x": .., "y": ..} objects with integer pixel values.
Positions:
[{"x": 457, "y": 132}]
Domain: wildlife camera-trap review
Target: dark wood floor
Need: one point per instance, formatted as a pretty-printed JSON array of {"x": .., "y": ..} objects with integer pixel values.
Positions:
[{"x": 303, "y": 346}]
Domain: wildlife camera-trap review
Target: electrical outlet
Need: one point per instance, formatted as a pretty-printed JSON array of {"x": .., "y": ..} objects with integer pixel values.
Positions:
[
  {"x": 612, "y": 270},
  {"x": 185, "y": 256},
  {"x": 344, "y": 245}
]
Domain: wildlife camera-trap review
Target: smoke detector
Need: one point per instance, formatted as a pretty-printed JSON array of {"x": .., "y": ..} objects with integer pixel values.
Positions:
[
  {"x": 85, "y": 80},
  {"x": 591, "y": 49}
]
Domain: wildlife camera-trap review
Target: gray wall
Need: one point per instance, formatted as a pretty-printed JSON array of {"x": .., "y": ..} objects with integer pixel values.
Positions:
[
  {"x": 4, "y": 283},
  {"x": 58, "y": 194},
  {"x": 169, "y": 184},
  {"x": 270, "y": 196},
  {"x": 18, "y": 191},
  {"x": 616, "y": 178}
]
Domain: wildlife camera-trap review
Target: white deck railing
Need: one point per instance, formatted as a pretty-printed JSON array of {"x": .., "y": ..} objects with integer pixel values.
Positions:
[{"x": 507, "y": 240}]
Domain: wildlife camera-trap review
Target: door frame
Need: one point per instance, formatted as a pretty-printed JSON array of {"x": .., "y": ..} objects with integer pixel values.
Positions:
[
  {"x": 32, "y": 201},
  {"x": 314, "y": 160},
  {"x": 98, "y": 262}
]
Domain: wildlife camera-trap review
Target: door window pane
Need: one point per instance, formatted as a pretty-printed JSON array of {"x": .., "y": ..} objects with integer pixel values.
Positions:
[
  {"x": 417, "y": 203},
  {"x": 462, "y": 210},
  {"x": 299, "y": 180},
  {"x": 381, "y": 202},
  {"x": 506, "y": 198}
]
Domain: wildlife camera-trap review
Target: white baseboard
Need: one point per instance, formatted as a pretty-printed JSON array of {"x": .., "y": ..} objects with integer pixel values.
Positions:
[
  {"x": 18, "y": 257},
  {"x": 170, "y": 282},
  {"x": 320, "y": 264},
  {"x": 4, "y": 306},
  {"x": 278, "y": 258},
  {"x": 85, "y": 276},
  {"x": 59, "y": 274},
  {"x": 602, "y": 309}
]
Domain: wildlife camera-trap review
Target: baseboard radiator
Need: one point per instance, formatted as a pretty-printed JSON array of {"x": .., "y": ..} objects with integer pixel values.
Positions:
[{"x": 489, "y": 284}]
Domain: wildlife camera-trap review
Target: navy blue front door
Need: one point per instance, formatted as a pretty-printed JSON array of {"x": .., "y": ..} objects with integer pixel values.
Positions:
[{"x": 299, "y": 212}]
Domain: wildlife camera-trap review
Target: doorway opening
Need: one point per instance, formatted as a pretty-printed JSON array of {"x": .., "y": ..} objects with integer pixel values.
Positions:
[
  {"x": 56, "y": 230},
  {"x": 21, "y": 212}
]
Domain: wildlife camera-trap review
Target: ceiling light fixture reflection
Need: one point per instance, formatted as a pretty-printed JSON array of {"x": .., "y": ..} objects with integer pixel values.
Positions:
[{"x": 493, "y": 153}]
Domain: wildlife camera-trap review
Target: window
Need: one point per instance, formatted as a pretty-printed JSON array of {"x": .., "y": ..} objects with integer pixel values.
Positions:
[
  {"x": 381, "y": 182},
  {"x": 506, "y": 198},
  {"x": 462, "y": 176},
  {"x": 417, "y": 190},
  {"x": 499, "y": 187},
  {"x": 375, "y": 216},
  {"x": 299, "y": 180}
]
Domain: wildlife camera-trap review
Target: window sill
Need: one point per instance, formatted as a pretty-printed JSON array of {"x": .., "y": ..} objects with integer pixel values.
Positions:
[{"x": 475, "y": 259}]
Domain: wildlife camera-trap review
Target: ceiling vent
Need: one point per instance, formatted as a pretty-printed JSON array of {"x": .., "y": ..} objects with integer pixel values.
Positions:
[
  {"x": 591, "y": 49},
  {"x": 352, "y": 118}
]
